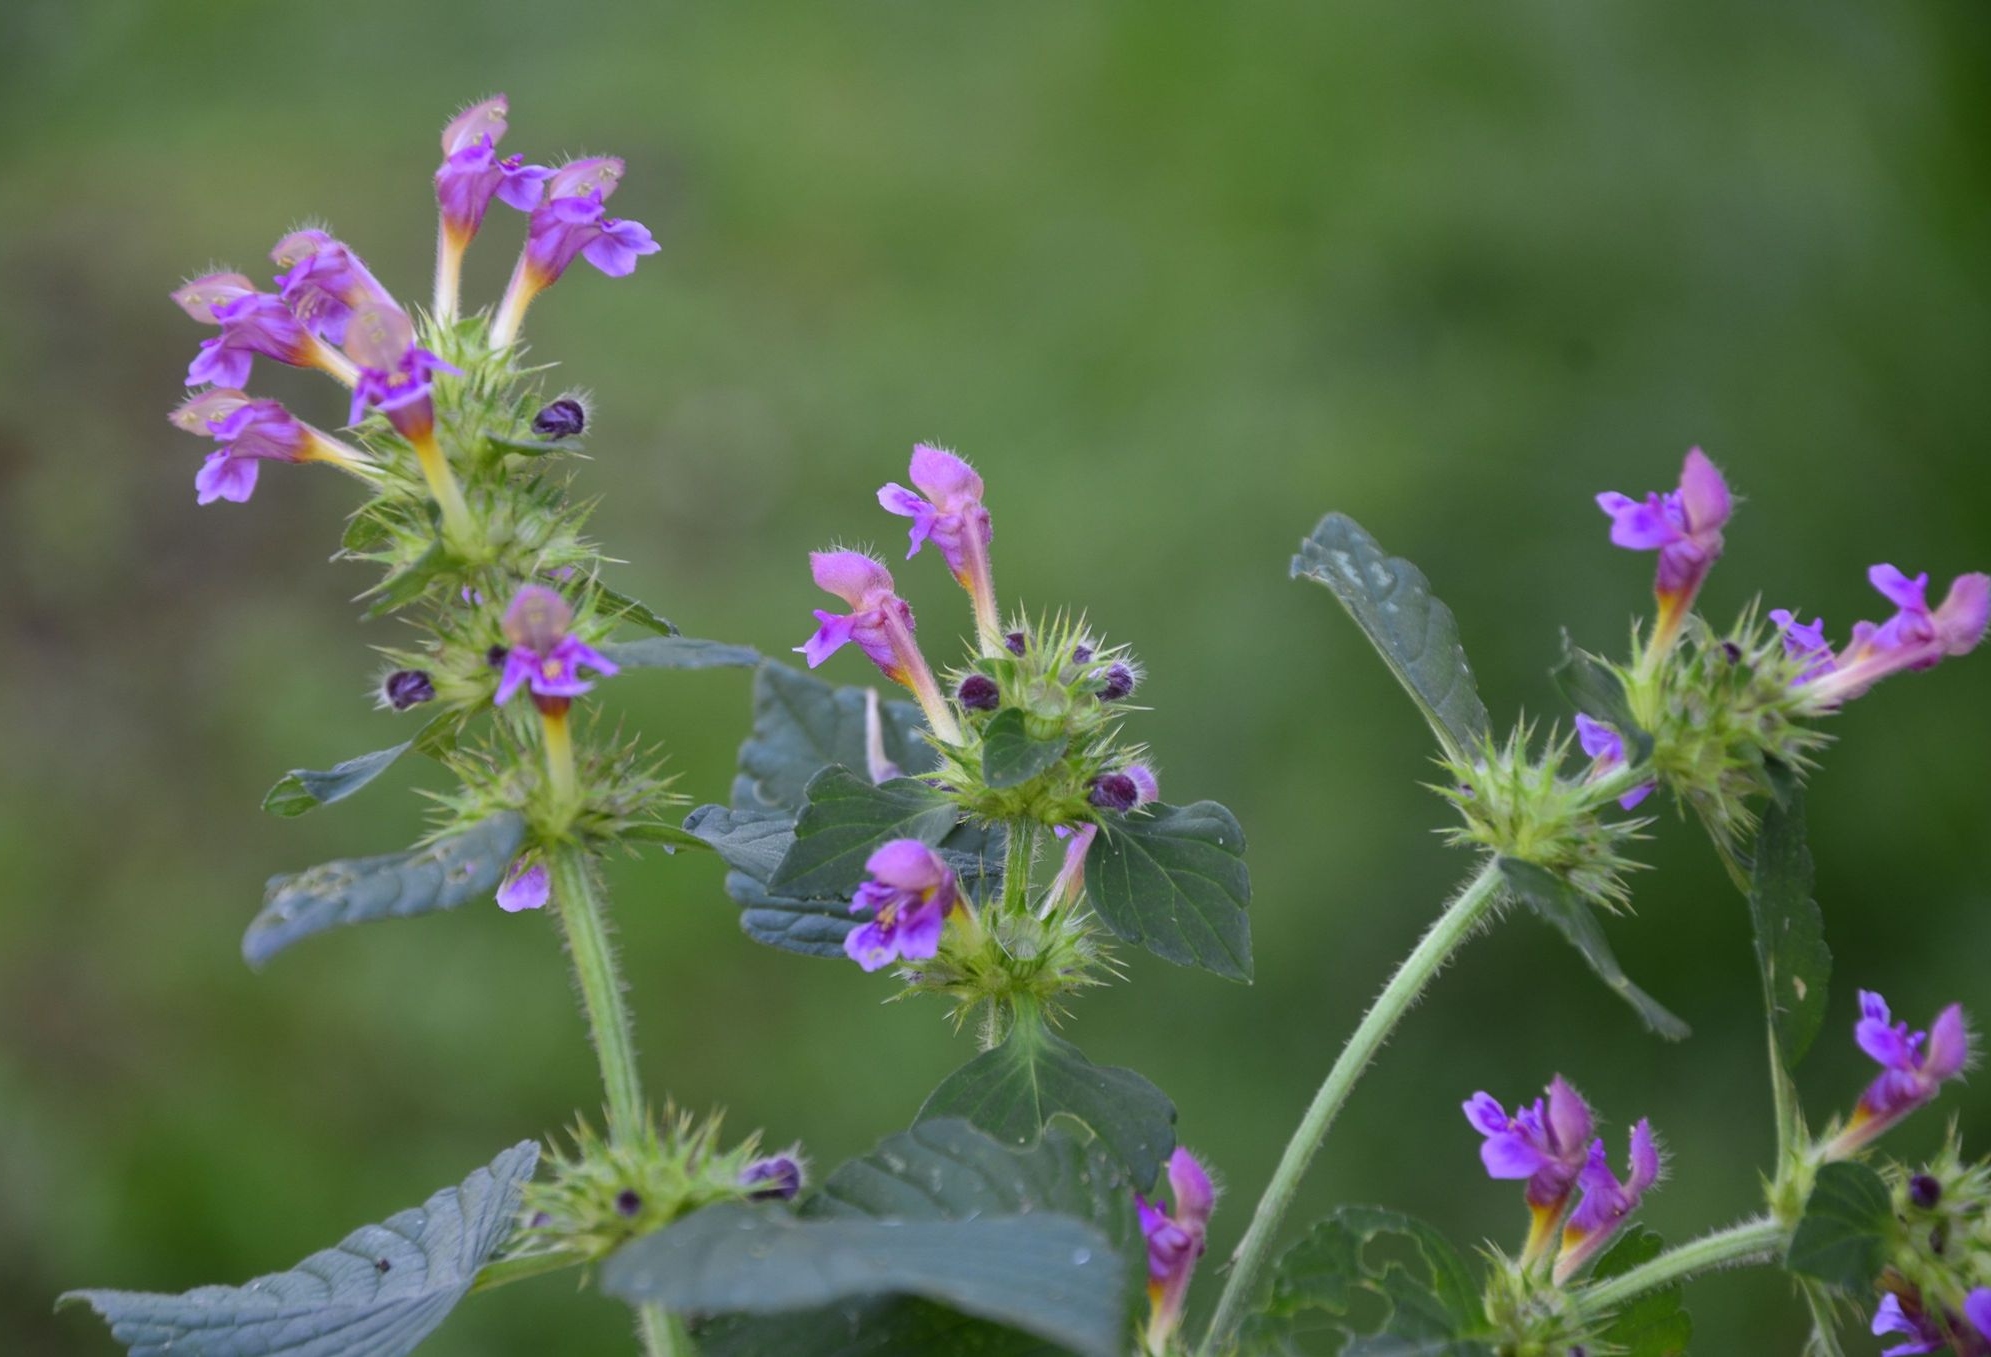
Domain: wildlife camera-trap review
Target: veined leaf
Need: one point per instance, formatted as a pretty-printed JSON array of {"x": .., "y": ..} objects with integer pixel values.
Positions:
[
  {"x": 1557, "y": 904},
  {"x": 1655, "y": 1324},
  {"x": 1011, "y": 756},
  {"x": 680, "y": 652},
  {"x": 1594, "y": 688},
  {"x": 1414, "y": 632},
  {"x": 1845, "y": 1235},
  {"x": 442, "y": 875},
  {"x": 845, "y": 821},
  {"x": 383, "y": 1290},
  {"x": 1790, "y": 931},
  {"x": 1014, "y": 1091},
  {"x": 1173, "y": 879},
  {"x": 802, "y": 725},
  {"x": 619, "y": 607}
]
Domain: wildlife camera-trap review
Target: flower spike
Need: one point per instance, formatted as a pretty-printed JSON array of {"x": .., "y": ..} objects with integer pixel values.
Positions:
[
  {"x": 952, "y": 517},
  {"x": 1684, "y": 527}
]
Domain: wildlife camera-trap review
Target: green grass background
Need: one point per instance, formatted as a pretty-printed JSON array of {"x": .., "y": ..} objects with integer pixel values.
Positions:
[{"x": 1179, "y": 278}]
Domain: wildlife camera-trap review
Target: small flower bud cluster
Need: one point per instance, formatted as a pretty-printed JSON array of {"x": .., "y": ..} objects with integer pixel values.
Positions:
[{"x": 1936, "y": 1286}]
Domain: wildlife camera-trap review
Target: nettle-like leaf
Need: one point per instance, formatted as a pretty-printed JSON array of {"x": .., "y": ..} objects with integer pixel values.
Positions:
[
  {"x": 1655, "y": 1324},
  {"x": 1011, "y": 756},
  {"x": 620, "y": 607},
  {"x": 1796, "y": 964},
  {"x": 442, "y": 875},
  {"x": 941, "y": 1236},
  {"x": 1173, "y": 880},
  {"x": 680, "y": 652},
  {"x": 1413, "y": 631},
  {"x": 1015, "y": 1090},
  {"x": 1554, "y": 901},
  {"x": 1322, "y": 1294},
  {"x": 802, "y": 725},
  {"x": 305, "y": 789},
  {"x": 379, "y": 1293},
  {"x": 1594, "y": 688},
  {"x": 1847, "y": 1230},
  {"x": 846, "y": 818}
]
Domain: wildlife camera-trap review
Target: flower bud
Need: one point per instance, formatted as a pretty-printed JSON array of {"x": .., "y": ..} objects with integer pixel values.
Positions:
[
  {"x": 1115, "y": 791},
  {"x": 628, "y": 1202},
  {"x": 405, "y": 688},
  {"x": 1014, "y": 642},
  {"x": 776, "y": 1178},
  {"x": 1925, "y": 1191},
  {"x": 1119, "y": 679},
  {"x": 978, "y": 692},
  {"x": 563, "y": 418},
  {"x": 1081, "y": 653}
]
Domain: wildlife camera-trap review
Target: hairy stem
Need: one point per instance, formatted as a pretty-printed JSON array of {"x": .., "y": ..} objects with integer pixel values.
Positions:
[
  {"x": 582, "y": 920},
  {"x": 1759, "y": 1239},
  {"x": 1454, "y": 926},
  {"x": 663, "y": 1333}
]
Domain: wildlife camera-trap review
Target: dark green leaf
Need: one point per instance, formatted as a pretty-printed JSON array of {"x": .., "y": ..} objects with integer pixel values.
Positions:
[
  {"x": 1035, "y": 1240},
  {"x": 1014, "y": 1091},
  {"x": 750, "y": 841},
  {"x": 1594, "y": 688},
  {"x": 1173, "y": 879},
  {"x": 303, "y": 789},
  {"x": 1655, "y": 1324},
  {"x": 619, "y": 607},
  {"x": 679, "y": 652},
  {"x": 1392, "y": 603},
  {"x": 1791, "y": 954},
  {"x": 1431, "y": 1303},
  {"x": 382, "y": 1291},
  {"x": 802, "y": 725},
  {"x": 1847, "y": 1230},
  {"x": 1555, "y": 902},
  {"x": 1010, "y": 757},
  {"x": 354, "y": 890},
  {"x": 845, "y": 821}
]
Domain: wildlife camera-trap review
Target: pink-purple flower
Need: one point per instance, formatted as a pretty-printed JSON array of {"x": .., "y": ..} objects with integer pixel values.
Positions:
[
  {"x": 250, "y": 432},
  {"x": 323, "y": 281},
  {"x": 1684, "y": 527},
  {"x": 775, "y": 1178},
  {"x": 1546, "y": 1142},
  {"x": 252, "y": 323},
  {"x": 1604, "y": 745},
  {"x": 1915, "y": 637},
  {"x": 395, "y": 376},
  {"x": 879, "y": 623},
  {"x": 472, "y": 173},
  {"x": 526, "y": 886},
  {"x": 543, "y": 657},
  {"x": 910, "y": 893},
  {"x": 1176, "y": 1238},
  {"x": 948, "y": 512},
  {"x": 1606, "y": 1202},
  {"x": 1914, "y": 1067},
  {"x": 571, "y": 222}
]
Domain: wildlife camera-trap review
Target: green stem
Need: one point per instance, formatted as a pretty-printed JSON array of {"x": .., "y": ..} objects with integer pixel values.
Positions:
[
  {"x": 664, "y": 1335},
  {"x": 1453, "y": 927},
  {"x": 1019, "y": 855},
  {"x": 526, "y": 1265},
  {"x": 1757, "y": 1240},
  {"x": 601, "y": 992}
]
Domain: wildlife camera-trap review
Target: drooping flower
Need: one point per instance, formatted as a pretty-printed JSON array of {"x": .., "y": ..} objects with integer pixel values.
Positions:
[
  {"x": 951, "y": 516},
  {"x": 250, "y": 432},
  {"x": 1914, "y": 1067},
  {"x": 1603, "y": 744},
  {"x": 1546, "y": 1142},
  {"x": 1684, "y": 527},
  {"x": 1176, "y": 1238},
  {"x": 881, "y": 624},
  {"x": 526, "y": 885},
  {"x": 775, "y": 1178},
  {"x": 324, "y": 281},
  {"x": 1890, "y": 1317},
  {"x": 571, "y": 223},
  {"x": 1915, "y": 637},
  {"x": 543, "y": 657},
  {"x": 252, "y": 323},
  {"x": 1606, "y": 1203},
  {"x": 911, "y": 891}
]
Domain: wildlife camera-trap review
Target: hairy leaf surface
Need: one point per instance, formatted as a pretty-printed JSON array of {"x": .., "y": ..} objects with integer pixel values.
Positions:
[{"x": 1173, "y": 879}]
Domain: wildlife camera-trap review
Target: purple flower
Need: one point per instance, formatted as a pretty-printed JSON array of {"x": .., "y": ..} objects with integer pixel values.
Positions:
[
  {"x": 251, "y": 323},
  {"x": 776, "y": 1178},
  {"x": 543, "y": 657},
  {"x": 879, "y": 621},
  {"x": 1176, "y": 1239},
  {"x": 251, "y": 431},
  {"x": 951, "y": 516},
  {"x": 1916, "y": 637},
  {"x": 526, "y": 886},
  {"x": 1977, "y": 1309},
  {"x": 324, "y": 281},
  {"x": 1923, "y": 1335},
  {"x": 1683, "y": 526},
  {"x": 1545, "y": 1142},
  {"x": 910, "y": 894},
  {"x": 1607, "y": 747},
  {"x": 472, "y": 174},
  {"x": 1914, "y": 1067},
  {"x": 395, "y": 375},
  {"x": 978, "y": 692},
  {"x": 1606, "y": 1203},
  {"x": 571, "y": 222},
  {"x": 1805, "y": 641}
]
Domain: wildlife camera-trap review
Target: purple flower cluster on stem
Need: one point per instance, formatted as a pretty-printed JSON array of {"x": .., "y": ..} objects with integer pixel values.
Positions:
[
  {"x": 252, "y": 324},
  {"x": 249, "y": 432},
  {"x": 949, "y": 513},
  {"x": 571, "y": 222},
  {"x": 1684, "y": 527},
  {"x": 1176, "y": 1238},
  {"x": 879, "y": 623},
  {"x": 1915, "y": 637},
  {"x": 910, "y": 894},
  {"x": 1914, "y": 1067},
  {"x": 470, "y": 176}
]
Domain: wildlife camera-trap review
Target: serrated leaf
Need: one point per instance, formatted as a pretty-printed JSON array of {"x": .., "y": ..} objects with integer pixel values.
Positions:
[
  {"x": 750, "y": 841},
  {"x": 383, "y": 1290},
  {"x": 802, "y": 725},
  {"x": 1014, "y": 1090},
  {"x": 1173, "y": 879},
  {"x": 679, "y": 652},
  {"x": 1791, "y": 954},
  {"x": 943, "y": 1213},
  {"x": 845, "y": 820},
  {"x": 441, "y": 875},
  {"x": 1011, "y": 756},
  {"x": 619, "y": 607},
  {"x": 1431, "y": 1303},
  {"x": 1655, "y": 1324},
  {"x": 1845, "y": 1234},
  {"x": 1413, "y": 631},
  {"x": 1594, "y": 688},
  {"x": 1555, "y": 902}
]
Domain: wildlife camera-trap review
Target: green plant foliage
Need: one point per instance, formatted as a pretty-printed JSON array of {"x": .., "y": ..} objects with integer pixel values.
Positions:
[
  {"x": 1011, "y": 756},
  {"x": 1790, "y": 931},
  {"x": 1848, "y": 1223},
  {"x": 1655, "y": 1324},
  {"x": 1595, "y": 688},
  {"x": 802, "y": 725},
  {"x": 680, "y": 652},
  {"x": 1173, "y": 879},
  {"x": 845, "y": 820},
  {"x": 1557, "y": 904}
]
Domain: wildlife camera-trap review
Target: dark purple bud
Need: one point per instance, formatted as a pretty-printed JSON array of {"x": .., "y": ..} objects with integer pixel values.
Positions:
[
  {"x": 1015, "y": 641},
  {"x": 777, "y": 1178},
  {"x": 1081, "y": 653},
  {"x": 978, "y": 692},
  {"x": 1115, "y": 791},
  {"x": 1119, "y": 682},
  {"x": 1925, "y": 1191},
  {"x": 496, "y": 656},
  {"x": 1732, "y": 651},
  {"x": 406, "y": 688},
  {"x": 627, "y": 1202},
  {"x": 564, "y": 418},
  {"x": 540, "y": 1220},
  {"x": 382, "y": 1265}
]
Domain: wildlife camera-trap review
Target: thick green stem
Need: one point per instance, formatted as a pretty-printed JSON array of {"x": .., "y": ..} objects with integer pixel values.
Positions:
[
  {"x": 1757, "y": 1240},
  {"x": 663, "y": 1333},
  {"x": 601, "y": 992},
  {"x": 1453, "y": 927}
]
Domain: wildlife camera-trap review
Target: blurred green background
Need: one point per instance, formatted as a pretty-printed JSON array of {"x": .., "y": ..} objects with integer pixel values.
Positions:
[{"x": 1180, "y": 279}]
